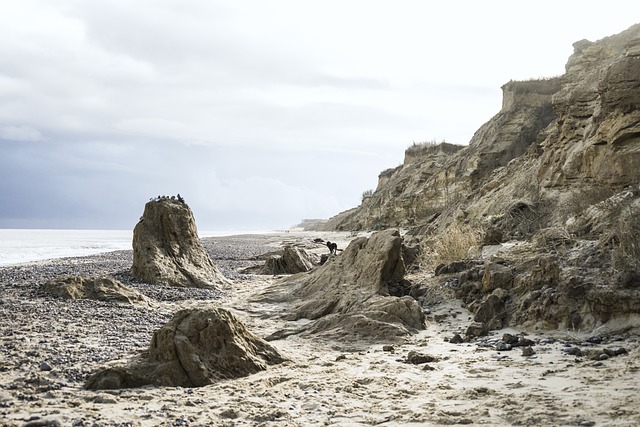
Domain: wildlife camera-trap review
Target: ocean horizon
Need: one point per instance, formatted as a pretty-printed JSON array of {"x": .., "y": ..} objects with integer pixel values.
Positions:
[{"x": 19, "y": 246}]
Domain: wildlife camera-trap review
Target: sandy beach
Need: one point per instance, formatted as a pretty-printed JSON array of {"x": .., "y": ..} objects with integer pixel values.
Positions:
[{"x": 50, "y": 345}]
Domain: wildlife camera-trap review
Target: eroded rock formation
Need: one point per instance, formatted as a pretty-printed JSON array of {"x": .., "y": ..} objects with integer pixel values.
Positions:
[
  {"x": 361, "y": 292},
  {"x": 195, "y": 348},
  {"x": 293, "y": 260},
  {"x": 167, "y": 251},
  {"x": 97, "y": 288}
]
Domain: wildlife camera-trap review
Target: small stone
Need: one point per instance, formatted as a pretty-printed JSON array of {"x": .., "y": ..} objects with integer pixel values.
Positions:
[
  {"x": 388, "y": 348},
  {"x": 416, "y": 358},
  {"x": 525, "y": 342},
  {"x": 341, "y": 357},
  {"x": 501, "y": 346},
  {"x": 528, "y": 351},
  {"x": 509, "y": 339},
  {"x": 573, "y": 351},
  {"x": 614, "y": 351},
  {"x": 229, "y": 413},
  {"x": 456, "y": 339},
  {"x": 44, "y": 366}
]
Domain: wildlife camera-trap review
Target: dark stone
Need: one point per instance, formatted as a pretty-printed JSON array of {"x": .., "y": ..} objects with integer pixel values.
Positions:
[
  {"x": 510, "y": 339},
  {"x": 614, "y": 351},
  {"x": 573, "y": 351},
  {"x": 416, "y": 358},
  {"x": 528, "y": 351},
  {"x": 456, "y": 339}
]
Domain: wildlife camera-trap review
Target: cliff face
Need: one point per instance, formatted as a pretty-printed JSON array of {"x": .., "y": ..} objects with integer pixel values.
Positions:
[
  {"x": 548, "y": 193},
  {"x": 552, "y": 139}
]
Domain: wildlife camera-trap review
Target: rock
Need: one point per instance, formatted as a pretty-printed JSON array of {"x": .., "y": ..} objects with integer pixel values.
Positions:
[
  {"x": 501, "y": 346},
  {"x": 573, "y": 351},
  {"x": 195, "y": 348},
  {"x": 456, "y": 339},
  {"x": 44, "y": 366},
  {"x": 528, "y": 351},
  {"x": 496, "y": 276},
  {"x": 509, "y": 339},
  {"x": 293, "y": 260},
  {"x": 476, "y": 329},
  {"x": 362, "y": 292},
  {"x": 524, "y": 342},
  {"x": 614, "y": 351},
  {"x": 491, "y": 312},
  {"x": 455, "y": 267},
  {"x": 167, "y": 251},
  {"x": 100, "y": 288},
  {"x": 416, "y": 358},
  {"x": 388, "y": 348}
]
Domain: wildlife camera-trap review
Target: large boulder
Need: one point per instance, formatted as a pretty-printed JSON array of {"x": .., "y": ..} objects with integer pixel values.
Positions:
[
  {"x": 195, "y": 348},
  {"x": 97, "y": 288},
  {"x": 361, "y": 292},
  {"x": 293, "y": 260},
  {"x": 167, "y": 251}
]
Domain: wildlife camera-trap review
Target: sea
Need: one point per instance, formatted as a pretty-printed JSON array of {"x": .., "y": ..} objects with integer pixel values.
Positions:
[{"x": 18, "y": 246}]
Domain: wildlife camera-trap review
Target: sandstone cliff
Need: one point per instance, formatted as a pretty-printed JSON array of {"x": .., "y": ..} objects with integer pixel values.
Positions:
[
  {"x": 577, "y": 132},
  {"x": 557, "y": 169}
]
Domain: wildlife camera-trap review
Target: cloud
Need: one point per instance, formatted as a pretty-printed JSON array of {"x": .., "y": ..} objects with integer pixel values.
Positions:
[
  {"x": 240, "y": 105},
  {"x": 20, "y": 133}
]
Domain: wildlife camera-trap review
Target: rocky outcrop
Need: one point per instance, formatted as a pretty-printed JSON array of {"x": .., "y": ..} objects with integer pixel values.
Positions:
[
  {"x": 536, "y": 287},
  {"x": 293, "y": 260},
  {"x": 196, "y": 348},
  {"x": 167, "y": 251},
  {"x": 97, "y": 288},
  {"x": 559, "y": 168},
  {"x": 361, "y": 292}
]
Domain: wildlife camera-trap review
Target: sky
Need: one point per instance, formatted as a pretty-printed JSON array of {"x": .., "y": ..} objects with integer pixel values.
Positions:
[{"x": 259, "y": 113}]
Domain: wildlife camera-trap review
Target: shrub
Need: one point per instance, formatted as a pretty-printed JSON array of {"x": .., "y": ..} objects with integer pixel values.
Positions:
[{"x": 455, "y": 244}]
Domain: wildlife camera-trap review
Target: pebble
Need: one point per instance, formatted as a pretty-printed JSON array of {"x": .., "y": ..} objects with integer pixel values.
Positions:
[
  {"x": 501, "y": 346},
  {"x": 528, "y": 351}
]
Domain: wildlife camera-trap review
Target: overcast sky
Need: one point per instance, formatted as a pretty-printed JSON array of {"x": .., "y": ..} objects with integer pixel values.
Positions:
[{"x": 259, "y": 113}]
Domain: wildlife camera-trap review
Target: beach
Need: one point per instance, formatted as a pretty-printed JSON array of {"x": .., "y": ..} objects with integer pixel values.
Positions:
[{"x": 50, "y": 345}]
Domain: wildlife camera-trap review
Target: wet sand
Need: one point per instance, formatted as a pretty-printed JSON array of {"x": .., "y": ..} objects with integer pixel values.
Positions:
[{"x": 49, "y": 345}]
